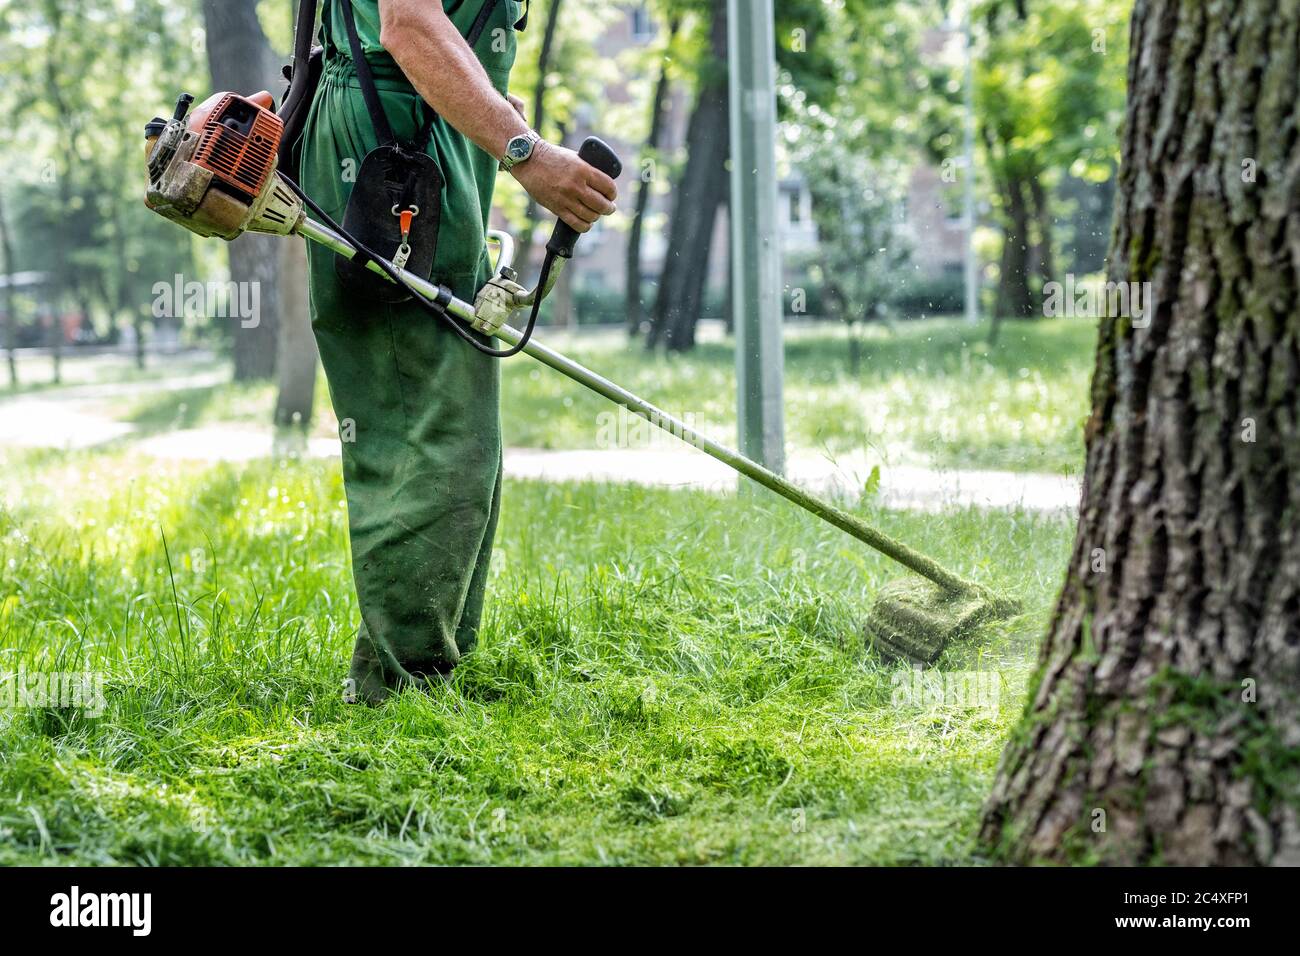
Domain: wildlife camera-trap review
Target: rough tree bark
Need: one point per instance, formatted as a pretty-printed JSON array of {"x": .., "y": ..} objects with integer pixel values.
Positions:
[
  {"x": 241, "y": 60},
  {"x": 701, "y": 190},
  {"x": 1163, "y": 724},
  {"x": 634, "y": 306}
]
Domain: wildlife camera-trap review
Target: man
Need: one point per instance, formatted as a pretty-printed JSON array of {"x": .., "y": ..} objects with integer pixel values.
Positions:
[{"x": 422, "y": 466}]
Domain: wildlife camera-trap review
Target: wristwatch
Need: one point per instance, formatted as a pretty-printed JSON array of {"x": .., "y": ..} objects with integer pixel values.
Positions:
[{"x": 519, "y": 149}]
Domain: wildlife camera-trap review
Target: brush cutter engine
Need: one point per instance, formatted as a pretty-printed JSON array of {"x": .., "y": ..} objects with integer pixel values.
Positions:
[{"x": 215, "y": 172}]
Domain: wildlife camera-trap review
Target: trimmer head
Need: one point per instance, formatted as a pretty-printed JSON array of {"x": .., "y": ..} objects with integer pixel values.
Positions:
[{"x": 914, "y": 620}]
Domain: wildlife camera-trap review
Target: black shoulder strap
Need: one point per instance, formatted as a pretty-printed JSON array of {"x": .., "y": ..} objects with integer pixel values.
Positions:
[
  {"x": 480, "y": 22},
  {"x": 303, "y": 32},
  {"x": 484, "y": 14},
  {"x": 383, "y": 132}
]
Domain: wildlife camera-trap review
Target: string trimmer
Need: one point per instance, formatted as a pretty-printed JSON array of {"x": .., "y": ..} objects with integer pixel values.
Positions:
[{"x": 214, "y": 171}]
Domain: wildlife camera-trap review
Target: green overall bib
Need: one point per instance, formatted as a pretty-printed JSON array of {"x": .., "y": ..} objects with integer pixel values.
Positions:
[{"x": 418, "y": 408}]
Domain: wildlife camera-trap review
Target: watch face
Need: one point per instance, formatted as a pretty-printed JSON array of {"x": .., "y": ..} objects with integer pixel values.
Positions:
[{"x": 519, "y": 148}]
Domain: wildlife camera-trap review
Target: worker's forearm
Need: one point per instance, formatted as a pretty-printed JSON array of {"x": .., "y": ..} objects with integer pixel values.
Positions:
[{"x": 446, "y": 73}]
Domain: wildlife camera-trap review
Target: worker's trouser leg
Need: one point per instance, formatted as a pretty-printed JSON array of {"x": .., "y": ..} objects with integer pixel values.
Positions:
[
  {"x": 422, "y": 471},
  {"x": 419, "y": 416}
]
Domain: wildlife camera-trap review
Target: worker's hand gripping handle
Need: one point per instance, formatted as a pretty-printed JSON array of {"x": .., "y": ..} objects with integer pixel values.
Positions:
[{"x": 595, "y": 152}]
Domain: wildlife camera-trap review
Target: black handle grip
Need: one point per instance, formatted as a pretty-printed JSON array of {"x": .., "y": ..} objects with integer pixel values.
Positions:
[{"x": 594, "y": 152}]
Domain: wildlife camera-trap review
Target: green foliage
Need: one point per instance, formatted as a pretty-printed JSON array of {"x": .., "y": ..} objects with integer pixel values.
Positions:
[
  {"x": 1049, "y": 88},
  {"x": 81, "y": 79},
  {"x": 1048, "y": 100},
  {"x": 1049, "y": 94},
  {"x": 855, "y": 149},
  {"x": 857, "y": 205}
]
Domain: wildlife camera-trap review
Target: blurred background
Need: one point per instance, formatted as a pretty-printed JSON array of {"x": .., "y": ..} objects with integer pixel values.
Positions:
[{"x": 938, "y": 162}]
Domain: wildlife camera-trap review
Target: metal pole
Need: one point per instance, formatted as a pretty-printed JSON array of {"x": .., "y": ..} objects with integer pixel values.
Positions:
[
  {"x": 756, "y": 275},
  {"x": 968, "y": 216}
]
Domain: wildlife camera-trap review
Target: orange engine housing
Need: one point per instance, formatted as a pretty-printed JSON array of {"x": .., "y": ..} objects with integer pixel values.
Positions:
[{"x": 239, "y": 138}]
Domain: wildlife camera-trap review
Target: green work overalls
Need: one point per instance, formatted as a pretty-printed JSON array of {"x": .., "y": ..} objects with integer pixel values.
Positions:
[{"x": 418, "y": 408}]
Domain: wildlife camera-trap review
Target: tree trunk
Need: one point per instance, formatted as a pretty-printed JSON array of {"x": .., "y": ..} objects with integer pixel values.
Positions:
[
  {"x": 139, "y": 325},
  {"x": 1014, "y": 298},
  {"x": 1163, "y": 725},
  {"x": 634, "y": 306},
  {"x": 704, "y": 183},
  {"x": 10, "y": 300},
  {"x": 537, "y": 121},
  {"x": 296, "y": 349},
  {"x": 1044, "y": 259},
  {"x": 54, "y": 339},
  {"x": 241, "y": 60}
]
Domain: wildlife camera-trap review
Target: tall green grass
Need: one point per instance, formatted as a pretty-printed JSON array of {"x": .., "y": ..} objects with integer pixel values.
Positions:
[
  {"x": 663, "y": 677},
  {"x": 927, "y": 392}
]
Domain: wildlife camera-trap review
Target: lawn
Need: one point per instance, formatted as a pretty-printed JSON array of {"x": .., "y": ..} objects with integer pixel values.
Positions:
[
  {"x": 927, "y": 392},
  {"x": 663, "y": 677}
]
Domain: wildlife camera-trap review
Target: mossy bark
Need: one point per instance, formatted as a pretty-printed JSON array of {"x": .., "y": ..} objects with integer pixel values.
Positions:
[{"x": 1163, "y": 723}]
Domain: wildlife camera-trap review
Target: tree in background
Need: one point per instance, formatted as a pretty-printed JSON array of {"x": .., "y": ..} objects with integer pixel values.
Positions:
[
  {"x": 810, "y": 72},
  {"x": 73, "y": 145},
  {"x": 698, "y": 193},
  {"x": 648, "y": 161},
  {"x": 296, "y": 354},
  {"x": 862, "y": 247},
  {"x": 1048, "y": 98},
  {"x": 240, "y": 59},
  {"x": 855, "y": 156},
  {"x": 1163, "y": 724}
]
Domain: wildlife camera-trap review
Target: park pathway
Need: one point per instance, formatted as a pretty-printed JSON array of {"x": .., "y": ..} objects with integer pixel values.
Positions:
[
  {"x": 901, "y": 486},
  {"x": 80, "y": 416}
]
